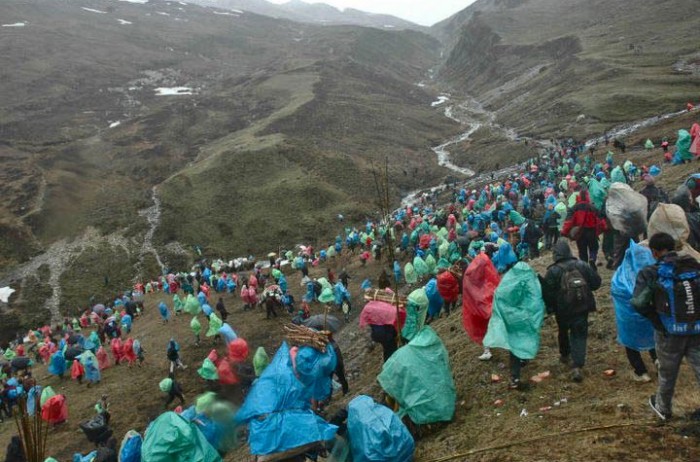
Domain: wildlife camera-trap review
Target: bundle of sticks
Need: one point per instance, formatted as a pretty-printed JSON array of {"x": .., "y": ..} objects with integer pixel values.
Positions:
[
  {"x": 305, "y": 336},
  {"x": 383, "y": 296}
]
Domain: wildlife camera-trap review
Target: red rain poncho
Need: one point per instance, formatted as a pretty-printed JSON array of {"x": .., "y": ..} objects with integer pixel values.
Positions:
[
  {"x": 76, "y": 370},
  {"x": 102, "y": 358},
  {"x": 448, "y": 286},
  {"x": 128, "y": 351},
  {"x": 55, "y": 410},
  {"x": 116, "y": 347},
  {"x": 238, "y": 350},
  {"x": 226, "y": 374},
  {"x": 478, "y": 286}
]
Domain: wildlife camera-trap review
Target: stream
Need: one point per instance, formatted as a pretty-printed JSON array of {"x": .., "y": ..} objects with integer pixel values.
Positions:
[
  {"x": 472, "y": 114},
  {"x": 152, "y": 215}
]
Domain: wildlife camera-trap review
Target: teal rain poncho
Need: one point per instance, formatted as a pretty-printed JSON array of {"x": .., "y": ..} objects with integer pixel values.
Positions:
[{"x": 518, "y": 313}]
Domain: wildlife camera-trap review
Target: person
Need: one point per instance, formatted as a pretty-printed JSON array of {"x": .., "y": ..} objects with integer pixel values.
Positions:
[
  {"x": 221, "y": 308},
  {"x": 344, "y": 277},
  {"x": 584, "y": 226},
  {"x": 516, "y": 320},
  {"x": 551, "y": 225},
  {"x": 668, "y": 294},
  {"x": 653, "y": 193},
  {"x": 77, "y": 371},
  {"x": 386, "y": 336},
  {"x": 531, "y": 236},
  {"x": 175, "y": 391},
  {"x": 339, "y": 365},
  {"x": 15, "y": 453},
  {"x": 102, "y": 408},
  {"x": 173, "y": 354},
  {"x": 568, "y": 294}
]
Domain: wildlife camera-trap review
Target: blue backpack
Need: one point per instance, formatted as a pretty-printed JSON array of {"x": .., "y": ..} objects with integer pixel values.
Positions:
[{"x": 677, "y": 297}]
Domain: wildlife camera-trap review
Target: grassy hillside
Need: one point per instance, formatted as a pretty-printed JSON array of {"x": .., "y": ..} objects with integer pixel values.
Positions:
[
  {"x": 277, "y": 136},
  {"x": 543, "y": 63},
  {"x": 616, "y": 405}
]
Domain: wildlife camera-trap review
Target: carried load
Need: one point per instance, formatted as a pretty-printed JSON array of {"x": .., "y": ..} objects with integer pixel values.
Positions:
[{"x": 626, "y": 209}]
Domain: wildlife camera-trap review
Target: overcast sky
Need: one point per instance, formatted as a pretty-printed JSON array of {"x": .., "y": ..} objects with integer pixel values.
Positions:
[{"x": 425, "y": 12}]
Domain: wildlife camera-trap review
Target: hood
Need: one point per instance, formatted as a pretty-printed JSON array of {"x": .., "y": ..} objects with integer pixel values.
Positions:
[
  {"x": 582, "y": 197},
  {"x": 561, "y": 251}
]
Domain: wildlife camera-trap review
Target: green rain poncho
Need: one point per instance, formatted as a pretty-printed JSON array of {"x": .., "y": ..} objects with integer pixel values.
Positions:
[
  {"x": 260, "y": 361},
  {"x": 326, "y": 295},
  {"x": 46, "y": 393},
  {"x": 178, "y": 305},
  {"x": 196, "y": 326},
  {"x": 649, "y": 144},
  {"x": 419, "y": 377},
  {"x": 683, "y": 145},
  {"x": 617, "y": 176},
  {"x": 166, "y": 385},
  {"x": 410, "y": 273},
  {"x": 516, "y": 218},
  {"x": 214, "y": 325},
  {"x": 172, "y": 438},
  {"x": 416, "y": 311},
  {"x": 443, "y": 248},
  {"x": 431, "y": 263},
  {"x": 420, "y": 266},
  {"x": 597, "y": 194},
  {"x": 192, "y": 305},
  {"x": 518, "y": 313},
  {"x": 208, "y": 370}
]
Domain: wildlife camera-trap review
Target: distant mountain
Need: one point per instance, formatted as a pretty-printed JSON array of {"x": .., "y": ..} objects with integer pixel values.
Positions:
[
  {"x": 316, "y": 13},
  {"x": 541, "y": 64},
  {"x": 254, "y": 132}
]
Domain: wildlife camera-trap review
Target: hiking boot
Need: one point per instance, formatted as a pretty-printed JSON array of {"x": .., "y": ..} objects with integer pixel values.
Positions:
[
  {"x": 566, "y": 360},
  {"x": 652, "y": 404},
  {"x": 485, "y": 356},
  {"x": 644, "y": 378},
  {"x": 577, "y": 375},
  {"x": 611, "y": 264},
  {"x": 514, "y": 384}
]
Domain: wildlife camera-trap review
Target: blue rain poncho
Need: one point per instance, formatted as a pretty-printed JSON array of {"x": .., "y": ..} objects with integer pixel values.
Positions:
[
  {"x": 633, "y": 330},
  {"x": 278, "y": 410}
]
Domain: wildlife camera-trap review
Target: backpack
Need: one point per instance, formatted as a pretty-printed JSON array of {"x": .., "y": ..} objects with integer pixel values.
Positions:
[
  {"x": 677, "y": 296},
  {"x": 532, "y": 232},
  {"x": 575, "y": 295}
]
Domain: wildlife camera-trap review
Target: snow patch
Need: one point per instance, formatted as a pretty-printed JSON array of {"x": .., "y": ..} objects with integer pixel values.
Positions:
[
  {"x": 183, "y": 3},
  {"x": 162, "y": 13},
  {"x": 237, "y": 11},
  {"x": 142, "y": 2},
  {"x": 225, "y": 13},
  {"x": 124, "y": 22},
  {"x": 5, "y": 293},
  {"x": 93, "y": 11},
  {"x": 389, "y": 26},
  {"x": 441, "y": 100},
  {"x": 16, "y": 24},
  {"x": 173, "y": 91},
  {"x": 115, "y": 124}
]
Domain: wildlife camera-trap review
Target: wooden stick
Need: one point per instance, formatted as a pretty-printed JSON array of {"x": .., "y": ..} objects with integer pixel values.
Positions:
[{"x": 539, "y": 438}]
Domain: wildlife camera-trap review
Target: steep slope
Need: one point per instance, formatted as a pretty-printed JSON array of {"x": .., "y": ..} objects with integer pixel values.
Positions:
[
  {"x": 315, "y": 13},
  {"x": 551, "y": 66},
  {"x": 277, "y": 128}
]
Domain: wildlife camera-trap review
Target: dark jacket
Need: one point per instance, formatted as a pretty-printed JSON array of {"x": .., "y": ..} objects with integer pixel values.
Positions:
[
  {"x": 645, "y": 286},
  {"x": 551, "y": 288}
]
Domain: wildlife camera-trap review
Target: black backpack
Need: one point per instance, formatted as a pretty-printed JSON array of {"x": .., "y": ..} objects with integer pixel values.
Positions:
[{"x": 575, "y": 294}]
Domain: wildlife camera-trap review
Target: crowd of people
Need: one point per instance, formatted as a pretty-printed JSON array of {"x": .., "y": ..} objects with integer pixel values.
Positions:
[{"x": 471, "y": 245}]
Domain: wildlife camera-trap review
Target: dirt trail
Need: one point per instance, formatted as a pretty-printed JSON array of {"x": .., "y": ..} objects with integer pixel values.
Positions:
[{"x": 152, "y": 215}]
